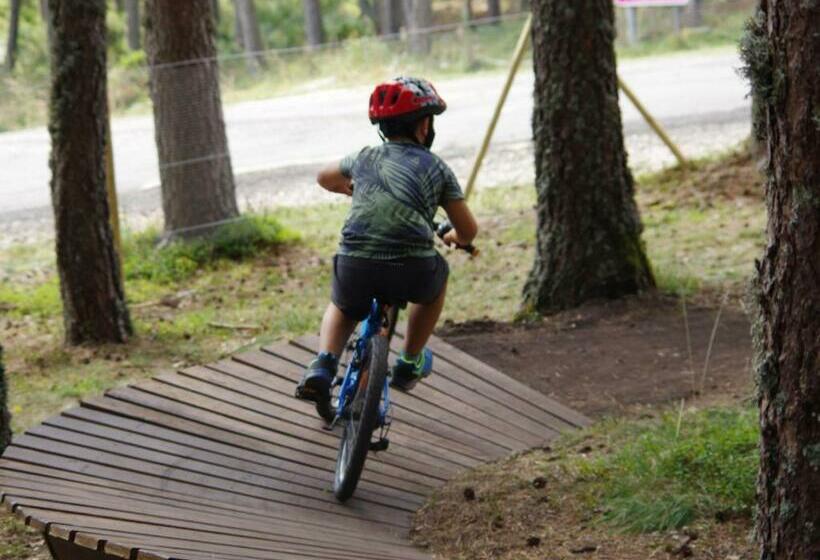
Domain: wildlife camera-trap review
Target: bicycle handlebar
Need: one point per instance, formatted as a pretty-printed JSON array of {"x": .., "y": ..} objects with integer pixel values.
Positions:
[{"x": 445, "y": 227}]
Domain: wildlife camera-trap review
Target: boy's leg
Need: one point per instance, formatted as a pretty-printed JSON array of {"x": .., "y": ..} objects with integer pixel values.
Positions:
[
  {"x": 421, "y": 322},
  {"x": 336, "y": 330}
]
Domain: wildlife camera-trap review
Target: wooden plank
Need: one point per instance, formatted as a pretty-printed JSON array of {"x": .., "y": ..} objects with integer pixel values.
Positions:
[
  {"x": 233, "y": 435},
  {"x": 235, "y": 464},
  {"x": 346, "y": 516},
  {"x": 408, "y": 441},
  {"x": 453, "y": 415},
  {"x": 513, "y": 387},
  {"x": 171, "y": 528},
  {"x": 120, "y": 457},
  {"x": 500, "y": 422},
  {"x": 201, "y": 412},
  {"x": 168, "y": 516},
  {"x": 189, "y": 462},
  {"x": 285, "y": 422},
  {"x": 426, "y": 419},
  {"x": 123, "y": 492}
]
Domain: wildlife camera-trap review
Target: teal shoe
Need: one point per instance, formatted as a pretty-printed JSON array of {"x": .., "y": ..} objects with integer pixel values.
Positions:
[{"x": 408, "y": 372}]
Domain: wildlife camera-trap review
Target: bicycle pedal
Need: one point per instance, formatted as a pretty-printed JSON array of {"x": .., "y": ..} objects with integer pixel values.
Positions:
[{"x": 380, "y": 445}]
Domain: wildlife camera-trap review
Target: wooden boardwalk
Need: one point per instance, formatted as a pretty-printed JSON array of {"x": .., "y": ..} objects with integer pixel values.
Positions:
[{"x": 220, "y": 461}]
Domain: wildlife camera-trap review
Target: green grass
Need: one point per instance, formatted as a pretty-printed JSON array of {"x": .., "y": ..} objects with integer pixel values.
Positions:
[
  {"x": 666, "y": 473},
  {"x": 179, "y": 260}
]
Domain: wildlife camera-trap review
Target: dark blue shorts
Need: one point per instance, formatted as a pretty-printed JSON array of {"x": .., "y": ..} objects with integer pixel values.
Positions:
[{"x": 356, "y": 281}]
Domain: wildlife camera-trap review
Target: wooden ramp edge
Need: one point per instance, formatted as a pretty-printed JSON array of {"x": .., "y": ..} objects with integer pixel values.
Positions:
[{"x": 220, "y": 461}]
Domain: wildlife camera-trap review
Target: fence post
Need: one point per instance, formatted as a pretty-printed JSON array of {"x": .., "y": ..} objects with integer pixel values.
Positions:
[
  {"x": 632, "y": 25},
  {"x": 521, "y": 47}
]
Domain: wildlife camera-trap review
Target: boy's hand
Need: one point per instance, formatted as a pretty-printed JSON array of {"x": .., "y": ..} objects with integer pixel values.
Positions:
[
  {"x": 346, "y": 187},
  {"x": 450, "y": 238}
]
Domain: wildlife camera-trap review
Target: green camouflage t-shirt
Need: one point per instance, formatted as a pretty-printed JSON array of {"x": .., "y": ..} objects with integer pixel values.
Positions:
[{"x": 397, "y": 188}]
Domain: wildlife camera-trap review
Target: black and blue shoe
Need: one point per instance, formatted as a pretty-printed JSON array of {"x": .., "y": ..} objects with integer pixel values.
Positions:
[
  {"x": 408, "y": 372},
  {"x": 318, "y": 380}
]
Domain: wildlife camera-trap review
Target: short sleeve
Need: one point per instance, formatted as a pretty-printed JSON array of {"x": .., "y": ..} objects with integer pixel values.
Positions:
[
  {"x": 347, "y": 164},
  {"x": 451, "y": 189}
]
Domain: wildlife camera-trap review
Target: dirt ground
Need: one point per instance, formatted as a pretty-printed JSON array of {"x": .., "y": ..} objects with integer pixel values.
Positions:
[{"x": 607, "y": 356}]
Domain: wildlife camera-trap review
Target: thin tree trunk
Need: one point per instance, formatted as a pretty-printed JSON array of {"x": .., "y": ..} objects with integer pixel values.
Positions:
[
  {"x": 494, "y": 8},
  {"x": 94, "y": 309},
  {"x": 217, "y": 11},
  {"x": 44, "y": 14},
  {"x": 314, "y": 29},
  {"x": 195, "y": 165},
  {"x": 132, "y": 14},
  {"x": 249, "y": 28},
  {"x": 5, "y": 415},
  {"x": 14, "y": 25},
  {"x": 781, "y": 58},
  {"x": 370, "y": 10},
  {"x": 418, "y": 15},
  {"x": 589, "y": 243},
  {"x": 695, "y": 13},
  {"x": 391, "y": 17}
]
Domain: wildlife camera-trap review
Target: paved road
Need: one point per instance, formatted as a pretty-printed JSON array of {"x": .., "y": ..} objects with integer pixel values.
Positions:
[{"x": 681, "y": 90}]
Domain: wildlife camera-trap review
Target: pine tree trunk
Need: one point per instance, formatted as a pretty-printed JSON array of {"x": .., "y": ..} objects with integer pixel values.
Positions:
[
  {"x": 418, "y": 15},
  {"x": 249, "y": 29},
  {"x": 14, "y": 25},
  {"x": 589, "y": 243},
  {"x": 5, "y": 415},
  {"x": 314, "y": 29},
  {"x": 494, "y": 8},
  {"x": 195, "y": 165},
  {"x": 132, "y": 14},
  {"x": 391, "y": 17},
  {"x": 695, "y": 13},
  {"x": 786, "y": 80},
  {"x": 94, "y": 308},
  {"x": 44, "y": 14}
]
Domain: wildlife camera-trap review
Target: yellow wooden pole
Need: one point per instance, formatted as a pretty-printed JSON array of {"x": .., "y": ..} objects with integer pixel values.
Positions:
[
  {"x": 520, "y": 49},
  {"x": 655, "y": 125},
  {"x": 111, "y": 191}
]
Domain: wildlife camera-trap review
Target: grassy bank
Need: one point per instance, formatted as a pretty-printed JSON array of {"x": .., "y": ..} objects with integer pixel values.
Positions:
[{"x": 651, "y": 485}]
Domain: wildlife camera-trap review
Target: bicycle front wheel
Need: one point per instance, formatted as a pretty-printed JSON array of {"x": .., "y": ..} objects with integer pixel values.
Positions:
[{"x": 360, "y": 421}]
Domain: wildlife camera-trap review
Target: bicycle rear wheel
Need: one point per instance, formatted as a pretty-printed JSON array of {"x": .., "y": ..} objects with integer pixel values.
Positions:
[{"x": 360, "y": 421}]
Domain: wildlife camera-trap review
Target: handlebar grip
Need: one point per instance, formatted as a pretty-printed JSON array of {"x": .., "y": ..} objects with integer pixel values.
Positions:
[{"x": 444, "y": 228}]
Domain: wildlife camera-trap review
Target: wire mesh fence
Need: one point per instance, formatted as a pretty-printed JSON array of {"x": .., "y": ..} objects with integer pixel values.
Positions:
[{"x": 275, "y": 101}]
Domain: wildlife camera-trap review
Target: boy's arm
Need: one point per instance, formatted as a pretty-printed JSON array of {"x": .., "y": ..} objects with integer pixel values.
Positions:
[
  {"x": 465, "y": 227},
  {"x": 333, "y": 179}
]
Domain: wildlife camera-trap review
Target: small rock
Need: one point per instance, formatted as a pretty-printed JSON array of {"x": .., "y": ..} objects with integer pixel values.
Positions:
[
  {"x": 539, "y": 482},
  {"x": 469, "y": 494},
  {"x": 532, "y": 542}
]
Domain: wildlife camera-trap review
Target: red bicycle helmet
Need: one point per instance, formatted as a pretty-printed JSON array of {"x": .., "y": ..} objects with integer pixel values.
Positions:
[{"x": 405, "y": 97}]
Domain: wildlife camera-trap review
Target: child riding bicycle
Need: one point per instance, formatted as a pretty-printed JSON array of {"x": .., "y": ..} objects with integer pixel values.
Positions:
[{"x": 387, "y": 250}]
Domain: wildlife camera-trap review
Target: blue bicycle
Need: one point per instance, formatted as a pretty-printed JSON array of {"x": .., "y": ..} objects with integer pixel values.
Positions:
[{"x": 362, "y": 405}]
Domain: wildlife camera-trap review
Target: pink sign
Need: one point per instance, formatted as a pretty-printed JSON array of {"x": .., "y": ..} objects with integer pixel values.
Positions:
[{"x": 644, "y": 3}]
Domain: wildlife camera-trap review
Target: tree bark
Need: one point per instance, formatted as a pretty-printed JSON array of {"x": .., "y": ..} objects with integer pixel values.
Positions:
[
  {"x": 314, "y": 29},
  {"x": 494, "y": 8},
  {"x": 132, "y": 14},
  {"x": 391, "y": 17},
  {"x": 5, "y": 415},
  {"x": 418, "y": 15},
  {"x": 695, "y": 13},
  {"x": 249, "y": 30},
  {"x": 44, "y": 14},
  {"x": 14, "y": 25},
  {"x": 195, "y": 165},
  {"x": 781, "y": 59},
  {"x": 94, "y": 309},
  {"x": 589, "y": 243}
]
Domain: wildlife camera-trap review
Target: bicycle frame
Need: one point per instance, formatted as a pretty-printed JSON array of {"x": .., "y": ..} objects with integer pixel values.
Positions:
[{"x": 369, "y": 328}]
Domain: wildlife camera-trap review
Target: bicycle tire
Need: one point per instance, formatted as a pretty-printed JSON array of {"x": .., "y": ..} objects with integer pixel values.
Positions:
[{"x": 355, "y": 442}]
